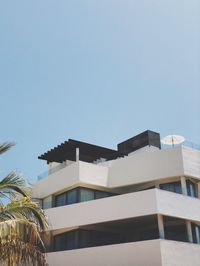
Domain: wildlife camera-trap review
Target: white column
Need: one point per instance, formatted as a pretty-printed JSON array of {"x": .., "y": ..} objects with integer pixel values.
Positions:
[
  {"x": 77, "y": 154},
  {"x": 183, "y": 185},
  {"x": 161, "y": 226},
  {"x": 189, "y": 231},
  {"x": 198, "y": 189},
  {"x": 49, "y": 167}
]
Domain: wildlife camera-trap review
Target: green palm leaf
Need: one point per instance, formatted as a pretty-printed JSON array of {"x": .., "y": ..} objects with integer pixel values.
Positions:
[
  {"x": 13, "y": 184},
  {"x": 21, "y": 223},
  {"x": 24, "y": 208}
]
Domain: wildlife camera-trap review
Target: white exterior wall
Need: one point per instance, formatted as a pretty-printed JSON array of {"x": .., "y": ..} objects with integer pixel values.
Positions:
[
  {"x": 72, "y": 175},
  {"x": 93, "y": 174},
  {"x": 125, "y": 206},
  {"x": 103, "y": 210},
  {"x": 145, "y": 167},
  {"x": 137, "y": 168},
  {"x": 191, "y": 162},
  {"x": 134, "y": 169},
  {"x": 177, "y": 205},
  {"x": 145, "y": 253},
  {"x": 128, "y": 254},
  {"x": 179, "y": 254}
]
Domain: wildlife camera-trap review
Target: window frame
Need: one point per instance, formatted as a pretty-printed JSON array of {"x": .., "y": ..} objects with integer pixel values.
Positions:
[{"x": 78, "y": 195}]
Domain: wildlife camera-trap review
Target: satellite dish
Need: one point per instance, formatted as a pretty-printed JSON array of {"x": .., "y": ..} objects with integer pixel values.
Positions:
[{"x": 173, "y": 140}]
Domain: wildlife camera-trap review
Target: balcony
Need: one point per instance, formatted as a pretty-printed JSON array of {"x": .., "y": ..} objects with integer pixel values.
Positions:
[
  {"x": 151, "y": 252},
  {"x": 160, "y": 164},
  {"x": 52, "y": 170},
  {"x": 129, "y": 205}
]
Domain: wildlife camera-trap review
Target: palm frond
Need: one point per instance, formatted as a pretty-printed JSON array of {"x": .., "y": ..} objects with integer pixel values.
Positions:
[
  {"x": 22, "y": 222},
  {"x": 15, "y": 252},
  {"x": 13, "y": 184},
  {"x": 24, "y": 208},
  {"x": 20, "y": 242},
  {"x": 6, "y": 146}
]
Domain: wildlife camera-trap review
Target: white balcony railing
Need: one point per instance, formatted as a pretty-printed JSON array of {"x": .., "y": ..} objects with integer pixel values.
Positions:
[
  {"x": 186, "y": 143},
  {"x": 52, "y": 170}
]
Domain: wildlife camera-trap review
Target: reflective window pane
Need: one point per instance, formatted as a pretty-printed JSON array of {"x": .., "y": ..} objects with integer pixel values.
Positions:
[
  {"x": 101, "y": 194},
  {"x": 71, "y": 240},
  {"x": 85, "y": 239},
  {"x": 86, "y": 194},
  {"x": 72, "y": 196},
  {"x": 60, "y": 200},
  {"x": 191, "y": 189},
  {"x": 173, "y": 187},
  {"x": 196, "y": 233}
]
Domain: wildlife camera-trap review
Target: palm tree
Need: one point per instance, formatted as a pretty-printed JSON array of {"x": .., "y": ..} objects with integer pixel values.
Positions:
[{"x": 21, "y": 222}]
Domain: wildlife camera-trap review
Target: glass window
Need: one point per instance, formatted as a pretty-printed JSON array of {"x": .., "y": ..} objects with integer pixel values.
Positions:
[
  {"x": 173, "y": 187},
  {"x": 72, "y": 196},
  {"x": 85, "y": 239},
  {"x": 86, "y": 194},
  {"x": 177, "y": 188},
  {"x": 101, "y": 194},
  {"x": 79, "y": 195},
  {"x": 65, "y": 241},
  {"x": 60, "y": 242},
  {"x": 60, "y": 200},
  {"x": 191, "y": 189},
  {"x": 71, "y": 240},
  {"x": 196, "y": 233}
]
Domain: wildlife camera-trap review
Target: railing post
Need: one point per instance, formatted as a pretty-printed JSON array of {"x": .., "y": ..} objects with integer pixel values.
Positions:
[
  {"x": 161, "y": 226},
  {"x": 189, "y": 231},
  {"x": 183, "y": 185}
]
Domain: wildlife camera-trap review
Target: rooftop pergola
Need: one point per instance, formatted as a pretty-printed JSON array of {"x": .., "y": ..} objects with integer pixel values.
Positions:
[
  {"x": 90, "y": 152},
  {"x": 67, "y": 151}
]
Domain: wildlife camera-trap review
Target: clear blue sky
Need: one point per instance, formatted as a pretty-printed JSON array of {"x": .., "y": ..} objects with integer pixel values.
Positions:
[{"x": 98, "y": 71}]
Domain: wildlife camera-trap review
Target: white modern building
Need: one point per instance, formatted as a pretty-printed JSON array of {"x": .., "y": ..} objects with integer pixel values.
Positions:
[{"x": 137, "y": 205}]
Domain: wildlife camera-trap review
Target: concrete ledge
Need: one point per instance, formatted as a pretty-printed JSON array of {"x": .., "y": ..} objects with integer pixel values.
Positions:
[
  {"x": 146, "y": 253},
  {"x": 103, "y": 210},
  {"x": 124, "y": 206},
  {"x": 179, "y": 254}
]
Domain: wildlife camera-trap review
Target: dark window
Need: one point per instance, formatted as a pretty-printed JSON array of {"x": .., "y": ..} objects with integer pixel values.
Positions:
[
  {"x": 173, "y": 187},
  {"x": 72, "y": 196},
  {"x": 60, "y": 242},
  {"x": 98, "y": 238},
  {"x": 79, "y": 195},
  {"x": 113, "y": 232},
  {"x": 85, "y": 239},
  {"x": 175, "y": 229},
  {"x": 60, "y": 200},
  {"x": 101, "y": 194},
  {"x": 196, "y": 233},
  {"x": 86, "y": 194},
  {"x": 71, "y": 239},
  {"x": 191, "y": 189},
  {"x": 65, "y": 241}
]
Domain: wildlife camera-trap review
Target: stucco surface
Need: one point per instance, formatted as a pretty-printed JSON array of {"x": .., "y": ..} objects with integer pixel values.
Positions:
[{"x": 146, "y": 253}]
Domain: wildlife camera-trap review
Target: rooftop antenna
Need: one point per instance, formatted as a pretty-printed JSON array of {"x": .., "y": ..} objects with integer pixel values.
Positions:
[{"x": 173, "y": 140}]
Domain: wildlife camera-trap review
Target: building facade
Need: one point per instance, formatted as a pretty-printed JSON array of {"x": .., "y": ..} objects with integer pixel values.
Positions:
[{"x": 136, "y": 205}]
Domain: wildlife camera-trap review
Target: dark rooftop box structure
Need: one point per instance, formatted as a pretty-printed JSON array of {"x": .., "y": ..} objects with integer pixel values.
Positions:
[
  {"x": 90, "y": 152},
  {"x": 146, "y": 138}
]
